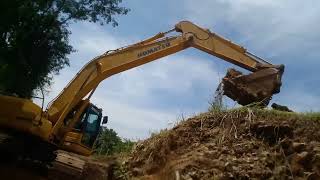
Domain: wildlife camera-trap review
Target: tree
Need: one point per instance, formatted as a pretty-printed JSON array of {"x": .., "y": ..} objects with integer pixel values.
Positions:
[
  {"x": 34, "y": 38},
  {"x": 109, "y": 142}
]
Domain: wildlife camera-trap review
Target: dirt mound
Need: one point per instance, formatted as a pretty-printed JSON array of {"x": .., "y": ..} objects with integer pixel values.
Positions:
[{"x": 236, "y": 144}]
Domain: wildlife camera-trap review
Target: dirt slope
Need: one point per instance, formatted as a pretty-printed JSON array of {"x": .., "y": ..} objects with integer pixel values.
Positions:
[{"x": 236, "y": 144}]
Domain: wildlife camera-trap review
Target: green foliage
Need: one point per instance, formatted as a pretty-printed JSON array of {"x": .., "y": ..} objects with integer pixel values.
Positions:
[
  {"x": 34, "y": 38},
  {"x": 270, "y": 113},
  {"x": 125, "y": 146},
  {"x": 109, "y": 143}
]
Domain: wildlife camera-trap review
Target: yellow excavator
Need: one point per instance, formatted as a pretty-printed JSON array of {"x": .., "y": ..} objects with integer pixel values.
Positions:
[{"x": 72, "y": 123}]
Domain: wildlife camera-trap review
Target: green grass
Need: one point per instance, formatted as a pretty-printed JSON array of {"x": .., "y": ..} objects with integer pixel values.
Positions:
[{"x": 269, "y": 112}]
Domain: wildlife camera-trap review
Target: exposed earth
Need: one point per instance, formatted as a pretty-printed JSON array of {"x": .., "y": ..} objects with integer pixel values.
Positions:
[
  {"x": 242, "y": 143},
  {"x": 235, "y": 144}
]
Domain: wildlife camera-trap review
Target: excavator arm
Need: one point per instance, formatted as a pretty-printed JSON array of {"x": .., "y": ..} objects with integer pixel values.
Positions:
[{"x": 189, "y": 35}]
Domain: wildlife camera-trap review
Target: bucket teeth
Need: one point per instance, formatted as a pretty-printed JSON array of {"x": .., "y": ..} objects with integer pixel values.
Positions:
[{"x": 257, "y": 87}]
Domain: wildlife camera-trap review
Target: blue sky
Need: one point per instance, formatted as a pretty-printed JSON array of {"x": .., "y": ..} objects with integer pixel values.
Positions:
[{"x": 156, "y": 95}]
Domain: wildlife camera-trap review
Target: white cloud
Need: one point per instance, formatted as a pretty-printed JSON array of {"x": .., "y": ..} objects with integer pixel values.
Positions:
[
  {"x": 284, "y": 32},
  {"x": 133, "y": 122},
  {"x": 298, "y": 101},
  {"x": 176, "y": 73},
  {"x": 126, "y": 97},
  {"x": 269, "y": 26},
  {"x": 91, "y": 40}
]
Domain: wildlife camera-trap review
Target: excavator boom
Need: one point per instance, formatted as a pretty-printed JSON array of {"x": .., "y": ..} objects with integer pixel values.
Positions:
[
  {"x": 262, "y": 83},
  {"x": 61, "y": 124}
]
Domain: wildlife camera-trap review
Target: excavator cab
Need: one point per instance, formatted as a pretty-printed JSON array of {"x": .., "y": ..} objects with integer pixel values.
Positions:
[
  {"x": 90, "y": 125},
  {"x": 85, "y": 132}
]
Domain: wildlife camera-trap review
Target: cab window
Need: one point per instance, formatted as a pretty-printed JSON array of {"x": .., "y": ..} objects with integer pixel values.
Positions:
[{"x": 90, "y": 125}]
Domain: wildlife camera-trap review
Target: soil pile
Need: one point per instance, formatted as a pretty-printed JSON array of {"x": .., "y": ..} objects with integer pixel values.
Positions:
[{"x": 235, "y": 144}]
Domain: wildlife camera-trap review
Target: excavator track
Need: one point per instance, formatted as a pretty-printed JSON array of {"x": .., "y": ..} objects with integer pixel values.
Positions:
[{"x": 67, "y": 165}]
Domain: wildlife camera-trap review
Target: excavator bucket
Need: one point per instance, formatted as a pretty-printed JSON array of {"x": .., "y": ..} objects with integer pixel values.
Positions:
[{"x": 257, "y": 87}]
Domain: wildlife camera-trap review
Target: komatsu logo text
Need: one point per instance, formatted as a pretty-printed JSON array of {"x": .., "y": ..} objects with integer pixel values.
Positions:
[{"x": 154, "y": 49}]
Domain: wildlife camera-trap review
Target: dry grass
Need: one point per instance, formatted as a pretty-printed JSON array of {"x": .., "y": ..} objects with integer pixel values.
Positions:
[{"x": 225, "y": 143}]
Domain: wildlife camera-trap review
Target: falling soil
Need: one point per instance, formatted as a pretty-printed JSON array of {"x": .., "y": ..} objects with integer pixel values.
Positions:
[{"x": 234, "y": 144}]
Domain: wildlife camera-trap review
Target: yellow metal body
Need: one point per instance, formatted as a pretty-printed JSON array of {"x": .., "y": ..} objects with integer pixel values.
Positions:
[
  {"x": 72, "y": 142},
  {"x": 23, "y": 115}
]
